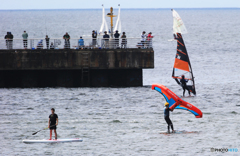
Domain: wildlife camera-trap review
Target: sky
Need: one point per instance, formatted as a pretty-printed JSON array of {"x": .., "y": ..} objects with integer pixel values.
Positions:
[{"x": 96, "y": 4}]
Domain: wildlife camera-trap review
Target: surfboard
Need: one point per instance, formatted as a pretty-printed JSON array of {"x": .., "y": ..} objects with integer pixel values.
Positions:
[
  {"x": 178, "y": 132},
  {"x": 53, "y": 141}
]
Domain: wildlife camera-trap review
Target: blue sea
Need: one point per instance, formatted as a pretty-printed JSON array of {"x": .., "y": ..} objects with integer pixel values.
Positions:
[{"x": 128, "y": 121}]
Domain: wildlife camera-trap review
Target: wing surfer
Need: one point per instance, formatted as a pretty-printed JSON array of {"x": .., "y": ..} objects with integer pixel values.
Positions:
[
  {"x": 184, "y": 85},
  {"x": 52, "y": 123},
  {"x": 166, "y": 117}
]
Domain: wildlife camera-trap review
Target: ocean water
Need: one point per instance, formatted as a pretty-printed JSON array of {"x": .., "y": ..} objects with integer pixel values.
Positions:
[{"x": 127, "y": 121}]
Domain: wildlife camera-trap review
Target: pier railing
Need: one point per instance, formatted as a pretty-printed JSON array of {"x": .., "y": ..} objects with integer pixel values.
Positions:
[{"x": 84, "y": 43}]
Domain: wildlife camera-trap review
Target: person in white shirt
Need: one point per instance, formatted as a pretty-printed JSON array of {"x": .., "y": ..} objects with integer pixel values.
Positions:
[{"x": 143, "y": 36}]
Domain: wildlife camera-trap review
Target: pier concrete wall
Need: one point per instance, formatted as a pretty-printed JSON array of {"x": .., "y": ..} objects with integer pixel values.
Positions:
[{"x": 74, "y": 68}]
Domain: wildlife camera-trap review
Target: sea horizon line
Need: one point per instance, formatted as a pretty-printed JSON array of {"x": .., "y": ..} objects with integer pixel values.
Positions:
[{"x": 54, "y": 9}]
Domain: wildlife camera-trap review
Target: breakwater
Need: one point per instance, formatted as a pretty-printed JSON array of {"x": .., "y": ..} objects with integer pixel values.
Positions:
[{"x": 74, "y": 67}]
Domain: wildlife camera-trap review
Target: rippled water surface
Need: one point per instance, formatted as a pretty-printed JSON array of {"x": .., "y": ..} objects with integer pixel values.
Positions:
[{"x": 127, "y": 121}]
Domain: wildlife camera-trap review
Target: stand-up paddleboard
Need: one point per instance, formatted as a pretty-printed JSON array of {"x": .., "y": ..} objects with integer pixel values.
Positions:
[
  {"x": 52, "y": 141},
  {"x": 178, "y": 132}
]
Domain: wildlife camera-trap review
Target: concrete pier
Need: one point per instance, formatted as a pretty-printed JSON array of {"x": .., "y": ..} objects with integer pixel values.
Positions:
[{"x": 74, "y": 68}]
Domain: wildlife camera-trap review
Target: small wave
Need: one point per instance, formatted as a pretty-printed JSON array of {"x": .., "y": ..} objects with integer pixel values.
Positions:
[
  {"x": 207, "y": 113},
  {"x": 116, "y": 121},
  {"x": 233, "y": 112}
]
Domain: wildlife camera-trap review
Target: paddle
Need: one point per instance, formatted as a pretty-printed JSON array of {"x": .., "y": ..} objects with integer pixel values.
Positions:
[{"x": 42, "y": 129}]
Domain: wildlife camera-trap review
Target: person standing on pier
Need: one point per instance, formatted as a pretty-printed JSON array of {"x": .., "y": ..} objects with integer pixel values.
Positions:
[
  {"x": 94, "y": 36},
  {"x": 47, "y": 41},
  {"x": 124, "y": 41},
  {"x": 66, "y": 37},
  {"x": 116, "y": 35},
  {"x": 106, "y": 39},
  {"x": 80, "y": 43},
  {"x": 25, "y": 41},
  {"x": 149, "y": 40},
  {"x": 9, "y": 40},
  {"x": 52, "y": 46},
  {"x": 143, "y": 36}
]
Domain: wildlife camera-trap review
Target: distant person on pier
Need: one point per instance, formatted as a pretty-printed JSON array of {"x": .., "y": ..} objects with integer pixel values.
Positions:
[
  {"x": 124, "y": 41},
  {"x": 51, "y": 46},
  {"x": 25, "y": 41},
  {"x": 47, "y": 41},
  {"x": 106, "y": 39},
  {"x": 40, "y": 44},
  {"x": 94, "y": 36},
  {"x": 66, "y": 37},
  {"x": 149, "y": 40},
  {"x": 80, "y": 43},
  {"x": 116, "y": 35},
  {"x": 143, "y": 40},
  {"x": 9, "y": 40}
]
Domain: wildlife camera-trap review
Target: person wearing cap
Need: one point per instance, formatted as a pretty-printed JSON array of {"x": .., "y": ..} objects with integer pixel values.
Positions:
[
  {"x": 116, "y": 35},
  {"x": 124, "y": 40},
  {"x": 52, "y": 123},
  {"x": 143, "y": 40},
  {"x": 149, "y": 40},
  {"x": 80, "y": 43},
  {"x": 94, "y": 36},
  {"x": 184, "y": 85},
  {"x": 166, "y": 117},
  {"x": 106, "y": 39}
]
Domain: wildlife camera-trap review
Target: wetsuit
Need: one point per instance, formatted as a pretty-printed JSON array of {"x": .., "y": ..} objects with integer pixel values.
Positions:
[
  {"x": 184, "y": 86},
  {"x": 167, "y": 119},
  {"x": 53, "y": 119}
]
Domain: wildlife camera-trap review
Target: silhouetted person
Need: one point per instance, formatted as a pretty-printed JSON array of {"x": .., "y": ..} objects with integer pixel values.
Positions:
[
  {"x": 184, "y": 85},
  {"x": 66, "y": 37},
  {"x": 9, "y": 40},
  {"x": 116, "y": 35},
  {"x": 94, "y": 36},
  {"x": 47, "y": 41}
]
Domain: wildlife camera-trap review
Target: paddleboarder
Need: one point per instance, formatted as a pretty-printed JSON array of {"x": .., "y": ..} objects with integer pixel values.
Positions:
[
  {"x": 184, "y": 85},
  {"x": 52, "y": 123},
  {"x": 166, "y": 117}
]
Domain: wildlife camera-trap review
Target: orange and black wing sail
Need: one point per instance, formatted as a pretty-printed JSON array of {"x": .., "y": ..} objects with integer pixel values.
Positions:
[{"x": 182, "y": 65}]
